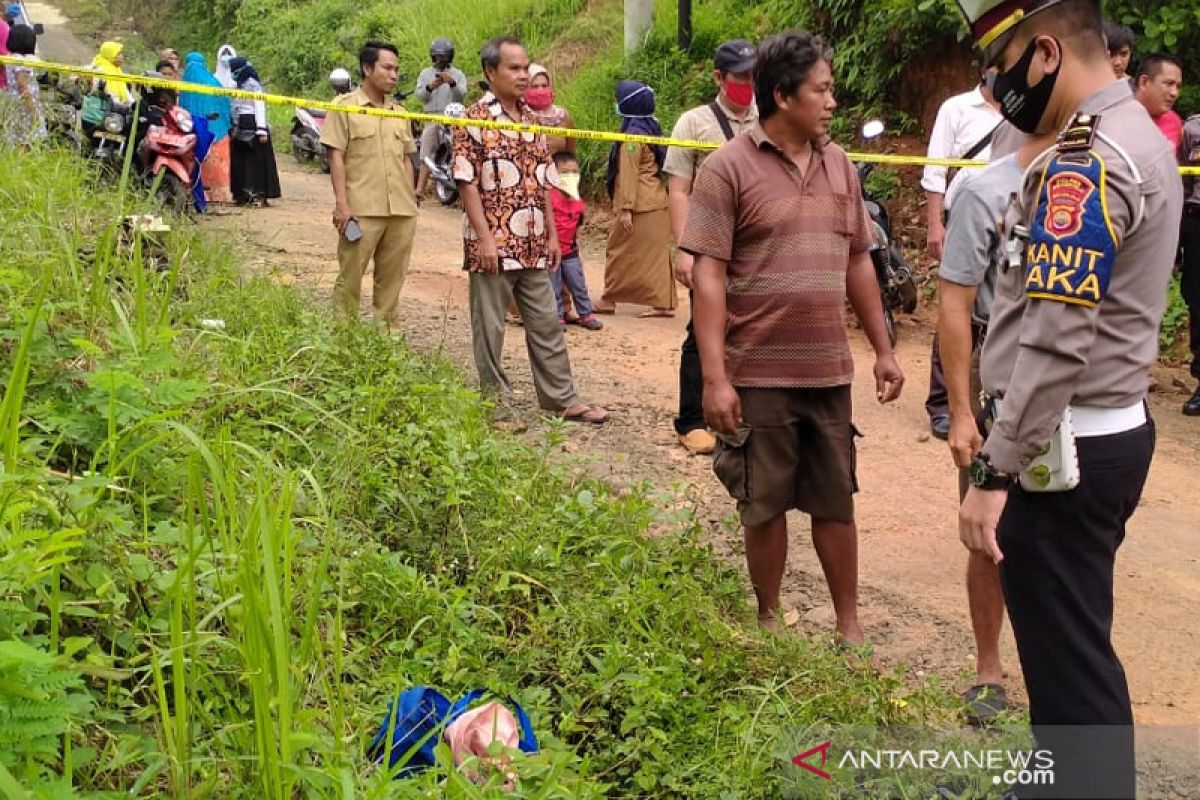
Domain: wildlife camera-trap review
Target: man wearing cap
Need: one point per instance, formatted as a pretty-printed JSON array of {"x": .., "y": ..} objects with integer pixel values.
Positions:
[
  {"x": 1091, "y": 242},
  {"x": 732, "y": 112}
]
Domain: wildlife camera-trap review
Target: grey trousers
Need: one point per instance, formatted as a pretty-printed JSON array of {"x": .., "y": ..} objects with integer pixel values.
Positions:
[{"x": 544, "y": 339}]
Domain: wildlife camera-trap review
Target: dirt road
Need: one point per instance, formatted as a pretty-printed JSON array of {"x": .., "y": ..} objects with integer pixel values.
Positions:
[
  {"x": 58, "y": 43},
  {"x": 914, "y": 605}
]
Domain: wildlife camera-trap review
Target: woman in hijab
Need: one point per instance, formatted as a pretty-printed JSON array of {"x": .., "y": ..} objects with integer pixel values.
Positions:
[
  {"x": 540, "y": 99},
  {"x": 109, "y": 61},
  {"x": 638, "y": 267},
  {"x": 255, "y": 177},
  {"x": 224, "y": 74},
  {"x": 217, "y": 112}
]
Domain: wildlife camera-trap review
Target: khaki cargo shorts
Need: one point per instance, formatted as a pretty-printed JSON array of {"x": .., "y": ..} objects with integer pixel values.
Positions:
[{"x": 795, "y": 449}]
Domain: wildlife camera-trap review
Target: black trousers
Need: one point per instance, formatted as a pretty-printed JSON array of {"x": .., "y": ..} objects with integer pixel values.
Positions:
[
  {"x": 937, "y": 403},
  {"x": 1057, "y": 573},
  {"x": 1189, "y": 283},
  {"x": 691, "y": 380}
]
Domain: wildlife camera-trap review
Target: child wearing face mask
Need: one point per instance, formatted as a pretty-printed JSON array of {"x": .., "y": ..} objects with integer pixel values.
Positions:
[{"x": 569, "y": 210}]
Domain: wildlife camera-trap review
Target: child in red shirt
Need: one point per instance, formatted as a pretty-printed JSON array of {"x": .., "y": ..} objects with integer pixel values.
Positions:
[{"x": 568, "y": 218}]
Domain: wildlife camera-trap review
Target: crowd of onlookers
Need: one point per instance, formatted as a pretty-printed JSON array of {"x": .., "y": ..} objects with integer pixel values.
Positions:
[{"x": 237, "y": 164}]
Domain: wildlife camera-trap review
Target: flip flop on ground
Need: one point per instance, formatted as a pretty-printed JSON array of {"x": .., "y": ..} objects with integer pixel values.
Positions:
[
  {"x": 582, "y": 412},
  {"x": 984, "y": 703},
  {"x": 657, "y": 312}
]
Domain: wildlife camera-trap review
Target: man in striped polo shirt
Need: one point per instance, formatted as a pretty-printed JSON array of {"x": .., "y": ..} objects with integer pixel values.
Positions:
[{"x": 781, "y": 238}]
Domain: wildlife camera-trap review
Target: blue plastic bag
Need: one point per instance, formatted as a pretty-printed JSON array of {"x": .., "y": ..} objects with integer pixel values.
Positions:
[{"x": 415, "y": 721}]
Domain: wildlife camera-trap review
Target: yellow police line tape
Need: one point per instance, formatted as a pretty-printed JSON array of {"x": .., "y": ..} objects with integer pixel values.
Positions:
[{"x": 371, "y": 111}]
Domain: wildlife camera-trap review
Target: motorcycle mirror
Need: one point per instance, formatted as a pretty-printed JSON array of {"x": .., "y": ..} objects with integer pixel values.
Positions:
[{"x": 873, "y": 129}]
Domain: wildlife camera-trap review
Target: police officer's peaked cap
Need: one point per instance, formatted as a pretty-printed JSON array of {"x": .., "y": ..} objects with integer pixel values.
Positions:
[{"x": 990, "y": 20}]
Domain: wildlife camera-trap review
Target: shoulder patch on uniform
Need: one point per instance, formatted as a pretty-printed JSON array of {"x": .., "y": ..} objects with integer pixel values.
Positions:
[
  {"x": 1079, "y": 133},
  {"x": 1072, "y": 243}
]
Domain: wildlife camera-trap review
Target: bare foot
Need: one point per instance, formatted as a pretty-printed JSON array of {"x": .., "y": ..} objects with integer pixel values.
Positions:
[{"x": 850, "y": 634}]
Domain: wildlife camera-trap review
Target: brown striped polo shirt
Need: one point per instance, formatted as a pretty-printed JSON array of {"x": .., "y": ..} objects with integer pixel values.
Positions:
[{"x": 787, "y": 239}]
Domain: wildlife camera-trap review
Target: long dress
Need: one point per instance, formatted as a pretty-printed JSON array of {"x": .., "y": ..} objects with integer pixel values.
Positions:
[
  {"x": 255, "y": 176},
  {"x": 638, "y": 265}
]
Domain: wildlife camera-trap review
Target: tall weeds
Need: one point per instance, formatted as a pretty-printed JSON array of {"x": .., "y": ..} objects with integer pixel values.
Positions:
[{"x": 222, "y": 553}]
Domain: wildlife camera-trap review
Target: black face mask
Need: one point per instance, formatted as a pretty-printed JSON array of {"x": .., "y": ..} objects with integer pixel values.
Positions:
[{"x": 1021, "y": 104}]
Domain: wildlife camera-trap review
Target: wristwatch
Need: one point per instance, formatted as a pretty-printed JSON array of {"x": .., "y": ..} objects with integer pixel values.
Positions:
[{"x": 983, "y": 475}]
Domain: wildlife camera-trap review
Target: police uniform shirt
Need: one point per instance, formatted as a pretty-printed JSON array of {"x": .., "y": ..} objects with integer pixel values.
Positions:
[
  {"x": 973, "y": 242},
  {"x": 1077, "y": 321},
  {"x": 1189, "y": 156}
]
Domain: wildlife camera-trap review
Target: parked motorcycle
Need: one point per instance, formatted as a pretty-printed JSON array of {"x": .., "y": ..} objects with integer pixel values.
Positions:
[
  {"x": 897, "y": 289},
  {"x": 441, "y": 163},
  {"x": 306, "y": 137},
  {"x": 106, "y": 128},
  {"x": 62, "y": 97},
  {"x": 307, "y": 124},
  {"x": 167, "y": 153}
]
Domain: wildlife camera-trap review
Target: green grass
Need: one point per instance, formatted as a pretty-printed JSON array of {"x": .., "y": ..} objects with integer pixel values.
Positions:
[{"x": 223, "y": 551}]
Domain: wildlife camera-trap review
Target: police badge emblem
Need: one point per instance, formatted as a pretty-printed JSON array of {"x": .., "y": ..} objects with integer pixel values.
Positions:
[{"x": 1067, "y": 194}]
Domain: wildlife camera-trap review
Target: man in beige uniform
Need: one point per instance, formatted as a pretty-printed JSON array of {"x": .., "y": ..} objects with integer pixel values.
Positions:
[
  {"x": 373, "y": 186},
  {"x": 732, "y": 112},
  {"x": 1073, "y": 333}
]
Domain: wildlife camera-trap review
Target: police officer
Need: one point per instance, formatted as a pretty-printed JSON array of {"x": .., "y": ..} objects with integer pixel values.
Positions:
[
  {"x": 1189, "y": 283},
  {"x": 1074, "y": 330}
]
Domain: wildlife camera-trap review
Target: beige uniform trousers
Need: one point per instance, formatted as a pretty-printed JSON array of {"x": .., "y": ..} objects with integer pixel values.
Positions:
[{"x": 389, "y": 241}]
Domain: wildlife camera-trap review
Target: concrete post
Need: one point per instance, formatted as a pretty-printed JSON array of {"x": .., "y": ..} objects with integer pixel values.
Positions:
[{"x": 639, "y": 18}]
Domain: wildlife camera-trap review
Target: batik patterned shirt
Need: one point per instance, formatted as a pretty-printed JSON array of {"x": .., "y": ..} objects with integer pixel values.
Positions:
[{"x": 512, "y": 172}]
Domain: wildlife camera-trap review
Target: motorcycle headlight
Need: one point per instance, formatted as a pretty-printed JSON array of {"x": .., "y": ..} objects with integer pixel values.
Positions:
[{"x": 114, "y": 123}]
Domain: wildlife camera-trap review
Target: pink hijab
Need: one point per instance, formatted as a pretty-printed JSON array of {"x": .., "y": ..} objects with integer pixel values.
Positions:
[{"x": 4, "y": 29}]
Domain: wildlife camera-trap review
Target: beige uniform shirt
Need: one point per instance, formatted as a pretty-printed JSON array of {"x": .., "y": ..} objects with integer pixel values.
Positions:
[
  {"x": 1076, "y": 321},
  {"x": 701, "y": 125},
  {"x": 378, "y": 184}
]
